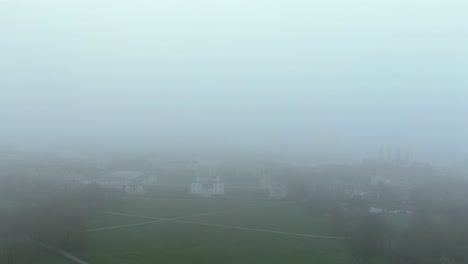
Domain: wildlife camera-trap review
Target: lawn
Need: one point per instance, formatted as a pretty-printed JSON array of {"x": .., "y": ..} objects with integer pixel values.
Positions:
[
  {"x": 177, "y": 243},
  {"x": 215, "y": 231},
  {"x": 54, "y": 259},
  {"x": 397, "y": 222},
  {"x": 182, "y": 243}
]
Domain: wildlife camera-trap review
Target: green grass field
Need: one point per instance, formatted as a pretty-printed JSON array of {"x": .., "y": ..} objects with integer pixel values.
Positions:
[
  {"x": 54, "y": 259},
  {"x": 169, "y": 242},
  {"x": 178, "y": 242}
]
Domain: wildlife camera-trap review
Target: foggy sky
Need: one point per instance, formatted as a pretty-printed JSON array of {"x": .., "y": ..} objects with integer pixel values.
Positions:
[{"x": 338, "y": 77}]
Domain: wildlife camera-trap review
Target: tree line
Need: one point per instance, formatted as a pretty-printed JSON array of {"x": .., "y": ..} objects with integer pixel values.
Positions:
[
  {"x": 45, "y": 211},
  {"x": 435, "y": 232}
]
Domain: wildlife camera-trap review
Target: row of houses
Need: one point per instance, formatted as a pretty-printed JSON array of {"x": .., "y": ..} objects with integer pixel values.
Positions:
[{"x": 137, "y": 183}]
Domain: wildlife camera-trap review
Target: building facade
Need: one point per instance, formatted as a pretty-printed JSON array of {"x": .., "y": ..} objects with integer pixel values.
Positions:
[
  {"x": 207, "y": 186},
  {"x": 130, "y": 182}
]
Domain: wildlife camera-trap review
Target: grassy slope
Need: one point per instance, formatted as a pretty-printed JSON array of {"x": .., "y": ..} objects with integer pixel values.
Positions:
[
  {"x": 180, "y": 243},
  {"x": 54, "y": 259},
  {"x": 184, "y": 243},
  {"x": 167, "y": 208}
]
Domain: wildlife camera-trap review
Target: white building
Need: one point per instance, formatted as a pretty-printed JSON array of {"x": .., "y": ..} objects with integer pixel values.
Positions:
[
  {"x": 276, "y": 188},
  {"x": 381, "y": 180},
  {"x": 134, "y": 189},
  {"x": 278, "y": 191},
  {"x": 207, "y": 186}
]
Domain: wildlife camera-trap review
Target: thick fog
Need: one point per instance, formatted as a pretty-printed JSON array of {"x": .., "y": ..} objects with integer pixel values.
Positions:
[{"x": 295, "y": 78}]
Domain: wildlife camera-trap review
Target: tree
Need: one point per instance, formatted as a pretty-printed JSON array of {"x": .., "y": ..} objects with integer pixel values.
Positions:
[
  {"x": 366, "y": 234},
  {"x": 15, "y": 245}
]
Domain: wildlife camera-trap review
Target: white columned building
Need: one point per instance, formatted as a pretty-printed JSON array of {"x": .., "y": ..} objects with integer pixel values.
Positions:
[{"x": 207, "y": 186}]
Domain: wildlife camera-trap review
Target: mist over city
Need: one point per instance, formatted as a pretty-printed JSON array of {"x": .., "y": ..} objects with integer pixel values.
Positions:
[{"x": 233, "y": 131}]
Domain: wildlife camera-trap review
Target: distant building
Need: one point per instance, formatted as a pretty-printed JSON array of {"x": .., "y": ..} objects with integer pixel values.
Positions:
[
  {"x": 383, "y": 211},
  {"x": 130, "y": 182},
  {"x": 379, "y": 179},
  {"x": 375, "y": 210},
  {"x": 406, "y": 156},
  {"x": 397, "y": 156},
  {"x": 278, "y": 191},
  {"x": 207, "y": 186},
  {"x": 276, "y": 188}
]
